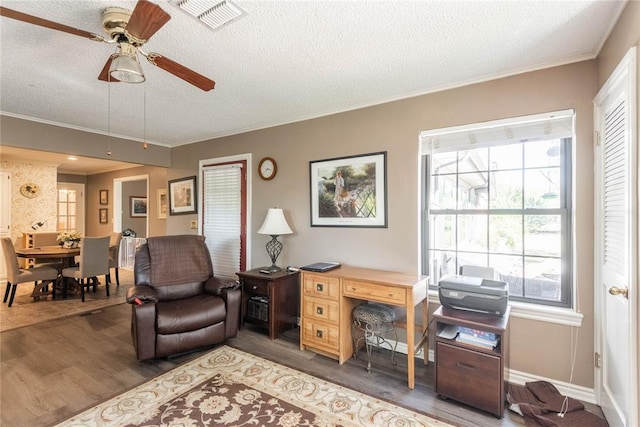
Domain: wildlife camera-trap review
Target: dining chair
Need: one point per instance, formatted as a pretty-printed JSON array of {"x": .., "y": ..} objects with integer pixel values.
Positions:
[
  {"x": 94, "y": 262},
  {"x": 114, "y": 255},
  {"x": 16, "y": 275}
]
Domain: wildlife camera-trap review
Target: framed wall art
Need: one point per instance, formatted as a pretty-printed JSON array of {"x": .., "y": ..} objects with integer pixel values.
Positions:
[
  {"x": 182, "y": 196},
  {"x": 138, "y": 206},
  {"x": 103, "y": 214},
  {"x": 104, "y": 197},
  {"x": 349, "y": 191},
  {"x": 162, "y": 203}
]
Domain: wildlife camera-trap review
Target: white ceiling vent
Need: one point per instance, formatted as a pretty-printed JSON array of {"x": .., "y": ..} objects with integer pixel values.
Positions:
[{"x": 213, "y": 13}]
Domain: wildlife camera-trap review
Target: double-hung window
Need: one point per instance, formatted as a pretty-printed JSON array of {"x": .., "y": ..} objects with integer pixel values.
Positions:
[{"x": 498, "y": 195}]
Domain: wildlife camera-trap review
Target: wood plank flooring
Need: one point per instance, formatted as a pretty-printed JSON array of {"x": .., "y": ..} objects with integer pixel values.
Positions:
[{"x": 53, "y": 370}]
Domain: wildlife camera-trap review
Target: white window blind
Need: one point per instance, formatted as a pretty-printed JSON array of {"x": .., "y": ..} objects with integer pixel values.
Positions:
[
  {"x": 555, "y": 125},
  {"x": 222, "y": 216}
]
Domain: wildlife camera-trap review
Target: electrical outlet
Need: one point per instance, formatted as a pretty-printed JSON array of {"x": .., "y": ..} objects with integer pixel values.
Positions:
[{"x": 194, "y": 224}]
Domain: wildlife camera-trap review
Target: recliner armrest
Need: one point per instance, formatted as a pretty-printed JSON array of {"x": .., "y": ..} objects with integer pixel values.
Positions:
[
  {"x": 215, "y": 285},
  {"x": 143, "y": 294}
]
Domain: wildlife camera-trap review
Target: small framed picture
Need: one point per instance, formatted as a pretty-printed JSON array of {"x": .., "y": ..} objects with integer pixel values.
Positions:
[
  {"x": 104, "y": 197},
  {"x": 182, "y": 196},
  {"x": 162, "y": 203},
  {"x": 104, "y": 215},
  {"x": 138, "y": 206}
]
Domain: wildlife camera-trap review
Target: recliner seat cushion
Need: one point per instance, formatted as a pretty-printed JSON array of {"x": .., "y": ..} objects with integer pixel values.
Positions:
[{"x": 189, "y": 314}]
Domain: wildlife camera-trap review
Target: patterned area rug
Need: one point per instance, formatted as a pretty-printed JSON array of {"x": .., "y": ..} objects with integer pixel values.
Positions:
[
  {"x": 228, "y": 387},
  {"x": 25, "y": 311}
]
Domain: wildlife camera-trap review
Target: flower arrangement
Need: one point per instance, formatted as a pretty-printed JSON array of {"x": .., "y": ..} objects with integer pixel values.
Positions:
[{"x": 69, "y": 239}]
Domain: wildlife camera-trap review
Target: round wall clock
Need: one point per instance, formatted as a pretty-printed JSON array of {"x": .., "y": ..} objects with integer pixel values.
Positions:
[
  {"x": 267, "y": 168},
  {"x": 30, "y": 190}
]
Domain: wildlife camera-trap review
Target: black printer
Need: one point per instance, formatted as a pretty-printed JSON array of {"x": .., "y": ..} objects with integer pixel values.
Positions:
[{"x": 474, "y": 294}]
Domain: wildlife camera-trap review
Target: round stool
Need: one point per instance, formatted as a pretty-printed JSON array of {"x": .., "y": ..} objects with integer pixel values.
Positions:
[{"x": 373, "y": 320}]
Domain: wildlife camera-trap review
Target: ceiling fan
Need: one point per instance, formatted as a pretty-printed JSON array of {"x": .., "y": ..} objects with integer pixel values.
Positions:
[{"x": 130, "y": 31}]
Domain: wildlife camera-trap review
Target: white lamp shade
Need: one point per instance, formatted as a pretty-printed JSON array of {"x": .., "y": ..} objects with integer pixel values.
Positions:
[{"x": 275, "y": 224}]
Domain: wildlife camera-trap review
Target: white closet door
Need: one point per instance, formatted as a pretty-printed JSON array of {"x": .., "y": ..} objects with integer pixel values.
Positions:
[{"x": 616, "y": 256}]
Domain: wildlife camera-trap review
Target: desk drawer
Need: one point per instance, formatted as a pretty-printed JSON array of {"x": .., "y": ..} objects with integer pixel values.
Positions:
[
  {"x": 468, "y": 376},
  {"x": 320, "y": 335},
  {"x": 321, "y": 286},
  {"x": 254, "y": 286},
  {"x": 321, "y": 309},
  {"x": 373, "y": 292}
]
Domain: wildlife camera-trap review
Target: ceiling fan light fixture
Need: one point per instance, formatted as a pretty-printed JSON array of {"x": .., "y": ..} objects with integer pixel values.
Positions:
[
  {"x": 126, "y": 68},
  {"x": 213, "y": 13}
]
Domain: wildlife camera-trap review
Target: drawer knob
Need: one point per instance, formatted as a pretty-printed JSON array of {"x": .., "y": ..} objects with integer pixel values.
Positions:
[
  {"x": 319, "y": 333},
  {"x": 254, "y": 287},
  {"x": 319, "y": 310},
  {"x": 319, "y": 287}
]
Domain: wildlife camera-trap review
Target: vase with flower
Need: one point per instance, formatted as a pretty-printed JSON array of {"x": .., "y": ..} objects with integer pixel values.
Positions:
[{"x": 69, "y": 239}]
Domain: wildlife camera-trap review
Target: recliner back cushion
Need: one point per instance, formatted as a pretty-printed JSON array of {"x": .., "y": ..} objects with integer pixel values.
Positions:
[{"x": 178, "y": 259}]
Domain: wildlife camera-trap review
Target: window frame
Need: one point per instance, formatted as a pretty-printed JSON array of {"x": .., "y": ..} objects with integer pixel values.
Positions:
[{"x": 566, "y": 303}]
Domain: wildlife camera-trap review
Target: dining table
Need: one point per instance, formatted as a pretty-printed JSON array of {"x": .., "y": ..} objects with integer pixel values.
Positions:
[{"x": 67, "y": 259}]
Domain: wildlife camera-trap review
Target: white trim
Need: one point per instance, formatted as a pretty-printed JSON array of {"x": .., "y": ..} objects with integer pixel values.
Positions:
[
  {"x": 584, "y": 394},
  {"x": 537, "y": 312}
]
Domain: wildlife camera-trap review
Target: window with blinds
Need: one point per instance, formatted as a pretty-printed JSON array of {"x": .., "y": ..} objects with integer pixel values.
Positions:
[
  {"x": 498, "y": 195},
  {"x": 224, "y": 213}
]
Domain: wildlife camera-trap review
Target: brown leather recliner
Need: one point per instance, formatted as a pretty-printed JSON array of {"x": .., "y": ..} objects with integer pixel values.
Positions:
[{"x": 177, "y": 304}]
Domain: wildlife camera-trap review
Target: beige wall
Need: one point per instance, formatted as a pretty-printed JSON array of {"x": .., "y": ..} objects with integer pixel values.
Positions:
[
  {"x": 395, "y": 127},
  {"x": 104, "y": 181}
]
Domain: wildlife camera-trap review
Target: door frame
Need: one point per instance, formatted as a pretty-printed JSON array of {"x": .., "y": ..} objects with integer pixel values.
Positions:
[
  {"x": 626, "y": 69},
  {"x": 118, "y": 209}
]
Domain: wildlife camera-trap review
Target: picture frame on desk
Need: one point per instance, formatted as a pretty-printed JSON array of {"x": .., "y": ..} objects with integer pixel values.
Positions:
[{"x": 349, "y": 191}]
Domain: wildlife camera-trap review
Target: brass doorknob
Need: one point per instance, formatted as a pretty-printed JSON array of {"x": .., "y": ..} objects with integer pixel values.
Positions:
[{"x": 614, "y": 290}]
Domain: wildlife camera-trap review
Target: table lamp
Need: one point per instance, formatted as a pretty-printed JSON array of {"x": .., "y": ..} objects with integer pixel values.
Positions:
[{"x": 274, "y": 225}]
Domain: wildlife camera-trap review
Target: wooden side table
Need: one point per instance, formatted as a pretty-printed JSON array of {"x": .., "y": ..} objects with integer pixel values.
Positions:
[
  {"x": 468, "y": 373},
  {"x": 270, "y": 301}
]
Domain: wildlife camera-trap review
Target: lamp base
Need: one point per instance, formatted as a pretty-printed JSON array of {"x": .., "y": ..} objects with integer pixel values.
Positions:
[{"x": 273, "y": 269}]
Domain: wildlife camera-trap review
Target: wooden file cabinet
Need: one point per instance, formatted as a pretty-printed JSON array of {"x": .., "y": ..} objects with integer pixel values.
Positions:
[
  {"x": 270, "y": 300},
  {"x": 467, "y": 373}
]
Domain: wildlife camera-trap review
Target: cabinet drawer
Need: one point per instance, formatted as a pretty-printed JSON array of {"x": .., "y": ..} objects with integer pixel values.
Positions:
[
  {"x": 320, "y": 335},
  {"x": 320, "y": 286},
  {"x": 373, "y": 292},
  {"x": 252, "y": 286},
  {"x": 469, "y": 376},
  {"x": 321, "y": 309}
]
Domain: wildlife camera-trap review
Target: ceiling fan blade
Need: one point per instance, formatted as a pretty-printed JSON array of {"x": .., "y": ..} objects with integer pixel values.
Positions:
[
  {"x": 181, "y": 71},
  {"x": 146, "y": 19},
  {"x": 30, "y": 19},
  {"x": 104, "y": 74}
]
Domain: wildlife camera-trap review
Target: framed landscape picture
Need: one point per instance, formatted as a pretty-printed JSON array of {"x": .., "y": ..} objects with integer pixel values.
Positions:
[
  {"x": 349, "y": 191},
  {"x": 182, "y": 196},
  {"x": 138, "y": 206}
]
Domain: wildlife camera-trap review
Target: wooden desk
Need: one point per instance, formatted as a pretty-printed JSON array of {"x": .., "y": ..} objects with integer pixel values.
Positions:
[{"x": 328, "y": 299}]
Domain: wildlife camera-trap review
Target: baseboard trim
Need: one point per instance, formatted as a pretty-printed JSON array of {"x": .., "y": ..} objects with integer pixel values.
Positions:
[{"x": 584, "y": 394}]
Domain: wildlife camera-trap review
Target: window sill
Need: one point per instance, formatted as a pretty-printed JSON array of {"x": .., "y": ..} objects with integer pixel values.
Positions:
[{"x": 561, "y": 316}]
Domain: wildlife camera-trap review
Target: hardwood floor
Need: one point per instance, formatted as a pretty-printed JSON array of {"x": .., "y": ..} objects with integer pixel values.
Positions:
[{"x": 51, "y": 371}]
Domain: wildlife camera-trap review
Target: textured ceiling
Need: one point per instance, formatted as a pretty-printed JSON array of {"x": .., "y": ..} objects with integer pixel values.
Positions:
[{"x": 285, "y": 61}]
